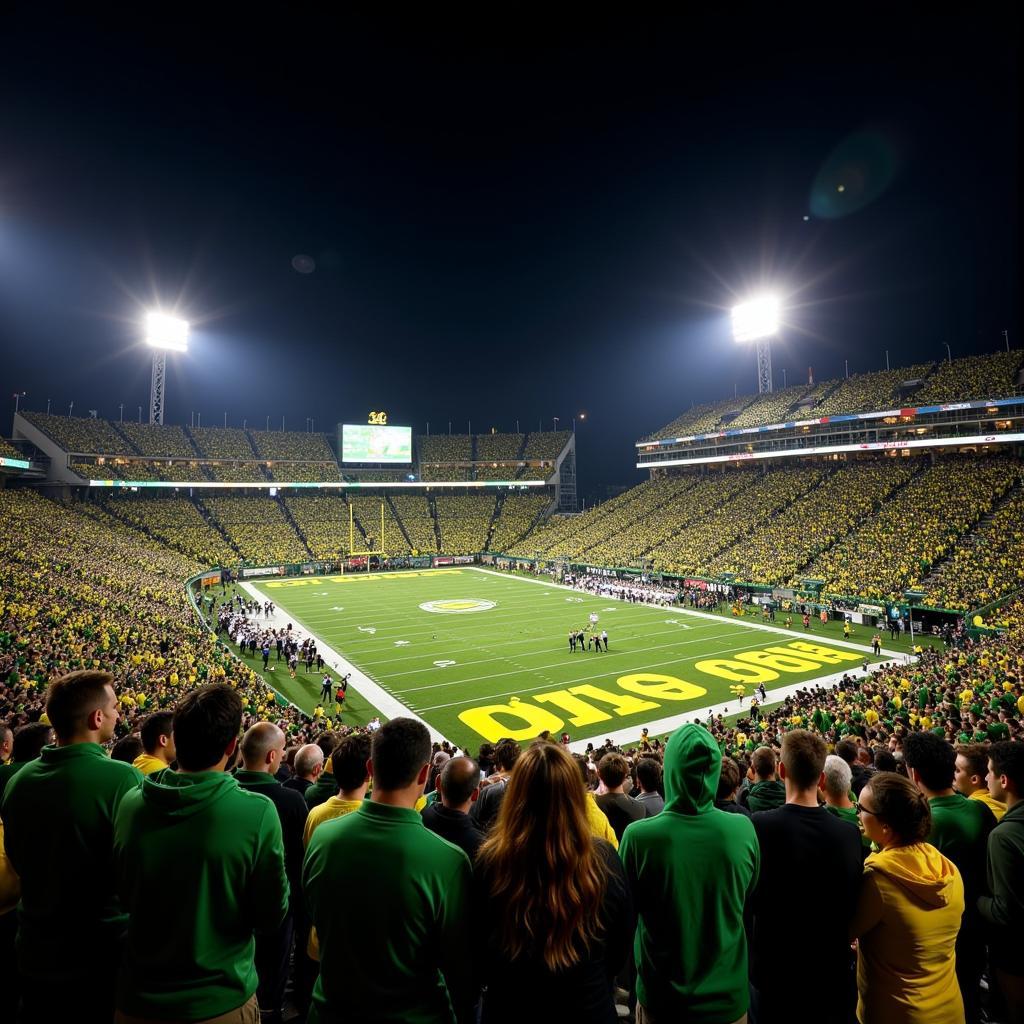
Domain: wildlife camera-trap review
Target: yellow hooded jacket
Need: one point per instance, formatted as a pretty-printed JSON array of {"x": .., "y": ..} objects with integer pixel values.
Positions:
[{"x": 907, "y": 921}]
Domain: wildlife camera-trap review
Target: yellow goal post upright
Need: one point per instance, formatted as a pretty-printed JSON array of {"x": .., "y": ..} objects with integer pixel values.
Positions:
[{"x": 378, "y": 550}]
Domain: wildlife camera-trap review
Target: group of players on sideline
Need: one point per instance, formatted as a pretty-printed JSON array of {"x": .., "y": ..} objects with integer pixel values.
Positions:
[{"x": 908, "y": 840}]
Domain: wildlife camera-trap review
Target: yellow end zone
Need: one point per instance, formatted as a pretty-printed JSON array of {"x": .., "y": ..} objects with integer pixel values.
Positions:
[
  {"x": 522, "y": 719},
  {"x": 305, "y": 581}
]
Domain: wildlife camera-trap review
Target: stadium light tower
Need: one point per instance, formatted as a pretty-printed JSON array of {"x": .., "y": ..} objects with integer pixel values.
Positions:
[
  {"x": 758, "y": 321},
  {"x": 163, "y": 334}
]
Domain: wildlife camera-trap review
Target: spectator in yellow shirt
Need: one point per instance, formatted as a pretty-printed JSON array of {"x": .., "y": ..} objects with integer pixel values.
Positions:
[
  {"x": 969, "y": 777},
  {"x": 157, "y": 743}
]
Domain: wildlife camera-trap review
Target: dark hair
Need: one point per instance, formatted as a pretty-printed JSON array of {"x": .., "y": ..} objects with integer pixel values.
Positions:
[
  {"x": 348, "y": 762},
  {"x": 1007, "y": 757},
  {"x": 803, "y": 754},
  {"x": 932, "y": 758},
  {"x": 29, "y": 740},
  {"x": 399, "y": 751},
  {"x": 205, "y": 723},
  {"x": 900, "y": 805},
  {"x": 763, "y": 762},
  {"x": 327, "y": 743},
  {"x": 884, "y": 761},
  {"x": 847, "y": 750},
  {"x": 612, "y": 770},
  {"x": 648, "y": 773},
  {"x": 127, "y": 748},
  {"x": 976, "y": 756},
  {"x": 459, "y": 777},
  {"x": 729, "y": 780},
  {"x": 506, "y": 752},
  {"x": 160, "y": 723},
  {"x": 73, "y": 697}
]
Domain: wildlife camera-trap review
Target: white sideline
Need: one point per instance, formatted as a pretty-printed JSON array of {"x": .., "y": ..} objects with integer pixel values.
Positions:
[
  {"x": 360, "y": 682},
  {"x": 394, "y": 708}
]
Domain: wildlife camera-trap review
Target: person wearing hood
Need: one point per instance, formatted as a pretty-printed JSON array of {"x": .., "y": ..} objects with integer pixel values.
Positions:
[
  {"x": 908, "y": 914},
  {"x": 691, "y": 869},
  {"x": 766, "y": 792},
  {"x": 200, "y": 866}
]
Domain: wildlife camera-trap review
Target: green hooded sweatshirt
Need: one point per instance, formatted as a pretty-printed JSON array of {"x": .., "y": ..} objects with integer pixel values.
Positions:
[
  {"x": 58, "y": 813},
  {"x": 200, "y": 867},
  {"x": 766, "y": 796},
  {"x": 691, "y": 869},
  {"x": 322, "y": 790}
]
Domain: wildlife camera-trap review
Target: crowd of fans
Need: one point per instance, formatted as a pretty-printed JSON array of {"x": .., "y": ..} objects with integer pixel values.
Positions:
[
  {"x": 973, "y": 377},
  {"x": 291, "y": 445},
  {"x": 87, "y": 436},
  {"x": 918, "y": 526},
  {"x": 518, "y": 514},
  {"x": 158, "y": 439},
  {"x": 498, "y": 447},
  {"x": 413, "y": 510},
  {"x": 870, "y": 391},
  {"x": 464, "y": 521},
  {"x": 986, "y": 376},
  {"x": 258, "y": 528},
  {"x": 223, "y": 442},
  {"x": 445, "y": 447},
  {"x": 987, "y": 563},
  {"x": 8, "y": 451}
]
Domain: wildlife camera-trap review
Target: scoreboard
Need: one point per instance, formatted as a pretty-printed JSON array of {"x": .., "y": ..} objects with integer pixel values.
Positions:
[{"x": 367, "y": 442}]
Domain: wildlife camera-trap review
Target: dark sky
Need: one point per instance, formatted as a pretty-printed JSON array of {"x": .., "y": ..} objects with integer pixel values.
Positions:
[{"x": 510, "y": 218}]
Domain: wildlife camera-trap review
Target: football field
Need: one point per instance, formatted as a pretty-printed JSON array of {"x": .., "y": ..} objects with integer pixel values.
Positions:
[{"x": 478, "y": 655}]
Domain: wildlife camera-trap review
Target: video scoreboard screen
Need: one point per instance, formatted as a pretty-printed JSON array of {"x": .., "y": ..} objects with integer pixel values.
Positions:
[{"x": 361, "y": 442}]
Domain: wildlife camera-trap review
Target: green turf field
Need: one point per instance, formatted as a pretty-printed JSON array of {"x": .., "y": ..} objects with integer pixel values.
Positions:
[{"x": 492, "y": 659}]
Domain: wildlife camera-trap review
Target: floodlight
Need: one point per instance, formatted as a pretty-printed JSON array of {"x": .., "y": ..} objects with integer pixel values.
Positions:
[
  {"x": 166, "y": 332},
  {"x": 756, "y": 319}
]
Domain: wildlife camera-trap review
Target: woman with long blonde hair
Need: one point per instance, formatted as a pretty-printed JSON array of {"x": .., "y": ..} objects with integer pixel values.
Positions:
[{"x": 552, "y": 909}]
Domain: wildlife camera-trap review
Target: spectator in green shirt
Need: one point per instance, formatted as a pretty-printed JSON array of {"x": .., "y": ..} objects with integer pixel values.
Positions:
[
  {"x": 959, "y": 830},
  {"x": 389, "y": 900},
  {"x": 58, "y": 814}
]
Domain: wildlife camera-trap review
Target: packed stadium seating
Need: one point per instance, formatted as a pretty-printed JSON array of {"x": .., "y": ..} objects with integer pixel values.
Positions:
[
  {"x": 777, "y": 547},
  {"x": 156, "y": 439},
  {"x": 413, "y": 511},
  {"x": 546, "y": 444},
  {"x": 869, "y": 391},
  {"x": 291, "y": 445},
  {"x": 8, "y": 451},
  {"x": 366, "y": 509},
  {"x": 498, "y": 447},
  {"x": 502, "y": 471},
  {"x": 176, "y": 522},
  {"x": 464, "y": 522},
  {"x": 896, "y": 549},
  {"x": 445, "y": 447},
  {"x": 773, "y": 407},
  {"x": 223, "y": 442},
  {"x": 446, "y": 472},
  {"x": 74, "y": 434},
  {"x": 324, "y": 521},
  {"x": 518, "y": 514},
  {"x": 988, "y": 562},
  {"x": 304, "y": 472},
  {"x": 258, "y": 528},
  {"x": 984, "y": 376}
]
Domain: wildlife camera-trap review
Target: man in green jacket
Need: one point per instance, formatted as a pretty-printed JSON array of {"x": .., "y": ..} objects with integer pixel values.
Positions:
[
  {"x": 1003, "y": 911},
  {"x": 200, "y": 867},
  {"x": 390, "y": 900},
  {"x": 960, "y": 831},
  {"x": 767, "y": 792},
  {"x": 29, "y": 741},
  {"x": 58, "y": 814},
  {"x": 691, "y": 869}
]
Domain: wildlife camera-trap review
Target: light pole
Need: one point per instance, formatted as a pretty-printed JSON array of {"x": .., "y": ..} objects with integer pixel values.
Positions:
[
  {"x": 949, "y": 354},
  {"x": 120, "y": 417},
  {"x": 554, "y": 422},
  {"x": 163, "y": 334},
  {"x": 784, "y": 384},
  {"x": 268, "y": 424},
  {"x": 140, "y": 413},
  {"x": 18, "y": 396},
  {"x": 758, "y": 321},
  {"x": 1006, "y": 338}
]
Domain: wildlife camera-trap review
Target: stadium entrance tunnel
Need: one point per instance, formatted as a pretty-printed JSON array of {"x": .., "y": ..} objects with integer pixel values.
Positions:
[{"x": 640, "y": 693}]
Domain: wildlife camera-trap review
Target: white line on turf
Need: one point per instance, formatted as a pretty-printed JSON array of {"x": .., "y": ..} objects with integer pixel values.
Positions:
[{"x": 360, "y": 682}]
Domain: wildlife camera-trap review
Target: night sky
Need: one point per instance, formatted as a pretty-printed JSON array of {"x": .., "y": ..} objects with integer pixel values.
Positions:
[{"x": 503, "y": 219}]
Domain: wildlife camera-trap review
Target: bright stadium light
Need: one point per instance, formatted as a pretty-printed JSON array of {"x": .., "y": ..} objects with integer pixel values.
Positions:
[
  {"x": 166, "y": 332},
  {"x": 758, "y": 321},
  {"x": 163, "y": 334}
]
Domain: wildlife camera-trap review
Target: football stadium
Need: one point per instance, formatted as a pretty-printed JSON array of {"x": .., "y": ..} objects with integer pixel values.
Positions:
[{"x": 369, "y": 722}]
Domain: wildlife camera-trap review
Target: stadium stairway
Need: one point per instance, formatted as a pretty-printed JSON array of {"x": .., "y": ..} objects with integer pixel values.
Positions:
[
  {"x": 192, "y": 441},
  {"x": 130, "y": 446},
  {"x": 433, "y": 506},
  {"x": 499, "y": 506},
  {"x": 287, "y": 512},
  {"x": 357, "y": 524},
  {"x": 212, "y": 520},
  {"x": 398, "y": 519}
]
